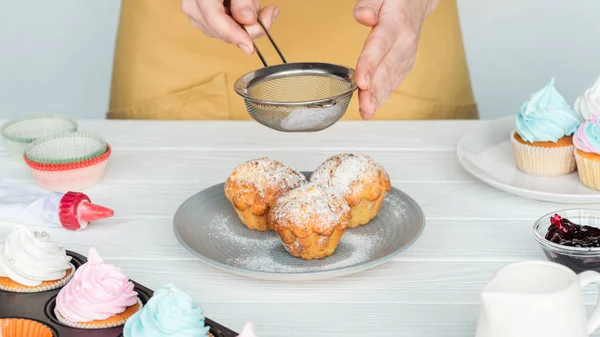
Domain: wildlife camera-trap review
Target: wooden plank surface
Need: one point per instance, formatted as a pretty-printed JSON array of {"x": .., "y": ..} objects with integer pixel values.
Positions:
[{"x": 432, "y": 289}]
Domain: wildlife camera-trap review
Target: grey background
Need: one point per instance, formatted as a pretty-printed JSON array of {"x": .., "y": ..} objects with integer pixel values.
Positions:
[{"x": 56, "y": 56}]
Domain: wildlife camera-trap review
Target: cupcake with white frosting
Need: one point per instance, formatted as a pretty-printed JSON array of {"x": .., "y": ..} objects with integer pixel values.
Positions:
[
  {"x": 588, "y": 104},
  {"x": 30, "y": 262},
  {"x": 543, "y": 136}
]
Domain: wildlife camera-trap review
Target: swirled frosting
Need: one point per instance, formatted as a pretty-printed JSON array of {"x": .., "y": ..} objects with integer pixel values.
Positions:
[
  {"x": 96, "y": 292},
  {"x": 29, "y": 258},
  {"x": 588, "y": 103},
  {"x": 546, "y": 117},
  {"x": 170, "y": 312},
  {"x": 248, "y": 330},
  {"x": 587, "y": 137}
]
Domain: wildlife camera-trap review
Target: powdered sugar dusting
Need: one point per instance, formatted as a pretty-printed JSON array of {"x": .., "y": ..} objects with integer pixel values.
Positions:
[
  {"x": 340, "y": 172},
  {"x": 396, "y": 204},
  {"x": 310, "y": 205},
  {"x": 265, "y": 174},
  {"x": 352, "y": 250}
]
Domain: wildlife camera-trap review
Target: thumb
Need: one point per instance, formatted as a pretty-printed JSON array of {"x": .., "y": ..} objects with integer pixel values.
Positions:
[{"x": 366, "y": 12}]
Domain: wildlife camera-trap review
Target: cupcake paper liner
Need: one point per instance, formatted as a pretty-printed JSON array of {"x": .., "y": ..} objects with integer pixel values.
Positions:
[
  {"x": 18, "y": 133},
  {"x": 66, "y": 147},
  {"x": 589, "y": 172},
  {"x": 20, "y": 327},
  {"x": 94, "y": 326},
  {"x": 69, "y": 166},
  {"x": 544, "y": 161},
  {"x": 52, "y": 286},
  {"x": 70, "y": 180}
]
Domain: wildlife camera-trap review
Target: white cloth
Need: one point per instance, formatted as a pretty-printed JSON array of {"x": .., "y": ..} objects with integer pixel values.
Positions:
[{"x": 26, "y": 207}]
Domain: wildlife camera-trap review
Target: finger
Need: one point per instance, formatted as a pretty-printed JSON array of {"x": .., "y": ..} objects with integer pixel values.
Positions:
[
  {"x": 244, "y": 11},
  {"x": 388, "y": 75},
  {"x": 267, "y": 16},
  {"x": 378, "y": 43},
  {"x": 223, "y": 26},
  {"x": 366, "y": 12},
  {"x": 190, "y": 8},
  {"x": 366, "y": 107}
]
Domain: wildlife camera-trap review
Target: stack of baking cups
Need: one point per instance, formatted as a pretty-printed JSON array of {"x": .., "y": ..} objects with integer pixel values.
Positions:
[
  {"x": 18, "y": 133},
  {"x": 67, "y": 161}
]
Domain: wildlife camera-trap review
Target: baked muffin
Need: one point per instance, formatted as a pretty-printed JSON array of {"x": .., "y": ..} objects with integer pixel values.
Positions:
[
  {"x": 310, "y": 221},
  {"x": 253, "y": 187},
  {"x": 359, "y": 180}
]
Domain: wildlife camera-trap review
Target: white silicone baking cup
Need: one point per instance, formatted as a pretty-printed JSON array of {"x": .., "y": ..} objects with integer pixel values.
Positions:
[
  {"x": 93, "y": 326},
  {"x": 70, "y": 180},
  {"x": 66, "y": 147},
  {"x": 18, "y": 133},
  {"x": 39, "y": 289}
]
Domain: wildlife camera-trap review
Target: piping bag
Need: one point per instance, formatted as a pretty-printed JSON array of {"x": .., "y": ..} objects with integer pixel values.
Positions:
[{"x": 72, "y": 210}]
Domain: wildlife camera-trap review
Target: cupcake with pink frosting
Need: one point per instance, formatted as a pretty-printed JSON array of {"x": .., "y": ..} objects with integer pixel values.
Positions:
[
  {"x": 587, "y": 152},
  {"x": 98, "y": 296}
]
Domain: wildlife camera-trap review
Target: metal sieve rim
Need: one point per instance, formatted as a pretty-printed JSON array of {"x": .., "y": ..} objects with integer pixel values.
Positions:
[{"x": 293, "y": 69}]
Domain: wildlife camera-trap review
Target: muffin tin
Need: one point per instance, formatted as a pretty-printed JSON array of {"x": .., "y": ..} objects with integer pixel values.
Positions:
[{"x": 40, "y": 307}]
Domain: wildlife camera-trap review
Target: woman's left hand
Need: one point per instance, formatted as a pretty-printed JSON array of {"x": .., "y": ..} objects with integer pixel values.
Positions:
[{"x": 390, "y": 49}]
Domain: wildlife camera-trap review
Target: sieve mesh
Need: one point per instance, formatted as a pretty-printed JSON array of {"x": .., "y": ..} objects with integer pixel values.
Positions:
[{"x": 298, "y": 88}]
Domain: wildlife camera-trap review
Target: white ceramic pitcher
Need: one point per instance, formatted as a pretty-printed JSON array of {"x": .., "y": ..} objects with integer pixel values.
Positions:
[{"x": 537, "y": 299}]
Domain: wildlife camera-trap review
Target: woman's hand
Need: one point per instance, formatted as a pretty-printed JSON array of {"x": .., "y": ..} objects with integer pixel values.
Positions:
[
  {"x": 390, "y": 49},
  {"x": 212, "y": 18}
]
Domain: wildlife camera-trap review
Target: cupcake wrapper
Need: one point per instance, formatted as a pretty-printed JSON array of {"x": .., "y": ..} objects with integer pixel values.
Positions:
[
  {"x": 66, "y": 147},
  {"x": 19, "y": 327},
  {"x": 56, "y": 285},
  {"x": 589, "y": 172},
  {"x": 28, "y": 128},
  {"x": 69, "y": 166},
  {"x": 93, "y": 326},
  {"x": 544, "y": 161},
  {"x": 70, "y": 180}
]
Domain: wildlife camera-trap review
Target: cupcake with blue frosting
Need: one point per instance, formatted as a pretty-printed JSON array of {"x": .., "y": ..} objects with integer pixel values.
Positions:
[
  {"x": 169, "y": 313},
  {"x": 543, "y": 136},
  {"x": 587, "y": 152}
]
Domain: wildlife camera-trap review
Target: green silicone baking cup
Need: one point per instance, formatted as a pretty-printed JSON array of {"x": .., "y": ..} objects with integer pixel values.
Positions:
[
  {"x": 66, "y": 148},
  {"x": 27, "y": 129}
]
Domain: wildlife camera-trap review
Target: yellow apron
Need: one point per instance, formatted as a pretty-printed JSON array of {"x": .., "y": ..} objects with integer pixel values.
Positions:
[{"x": 166, "y": 69}]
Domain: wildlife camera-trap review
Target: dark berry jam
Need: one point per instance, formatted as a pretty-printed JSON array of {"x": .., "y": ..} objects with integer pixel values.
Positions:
[{"x": 566, "y": 233}]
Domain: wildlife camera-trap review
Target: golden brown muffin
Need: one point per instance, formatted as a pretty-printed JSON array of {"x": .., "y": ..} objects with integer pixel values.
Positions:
[
  {"x": 253, "y": 187},
  {"x": 359, "y": 180},
  {"x": 310, "y": 221}
]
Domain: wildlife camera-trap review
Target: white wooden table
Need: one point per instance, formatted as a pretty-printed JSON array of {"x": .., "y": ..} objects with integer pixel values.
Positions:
[{"x": 430, "y": 290}]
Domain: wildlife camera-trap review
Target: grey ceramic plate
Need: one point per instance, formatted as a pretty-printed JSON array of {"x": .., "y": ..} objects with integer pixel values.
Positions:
[{"x": 208, "y": 227}]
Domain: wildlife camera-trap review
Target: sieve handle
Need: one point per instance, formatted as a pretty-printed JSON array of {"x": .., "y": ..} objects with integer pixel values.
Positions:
[{"x": 227, "y": 5}]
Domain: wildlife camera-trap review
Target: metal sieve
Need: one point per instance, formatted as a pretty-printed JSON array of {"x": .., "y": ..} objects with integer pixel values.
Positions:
[{"x": 296, "y": 97}]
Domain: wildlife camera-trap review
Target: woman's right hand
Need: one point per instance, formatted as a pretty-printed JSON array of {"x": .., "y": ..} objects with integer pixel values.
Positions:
[{"x": 212, "y": 18}]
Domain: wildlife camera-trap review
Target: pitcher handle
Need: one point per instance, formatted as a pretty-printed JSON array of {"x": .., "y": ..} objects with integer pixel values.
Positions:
[{"x": 586, "y": 278}]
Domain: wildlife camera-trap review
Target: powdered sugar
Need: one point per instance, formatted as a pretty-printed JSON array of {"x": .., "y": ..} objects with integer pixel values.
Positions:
[
  {"x": 309, "y": 205},
  {"x": 308, "y": 119},
  {"x": 263, "y": 175},
  {"x": 352, "y": 250},
  {"x": 396, "y": 205},
  {"x": 340, "y": 172}
]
